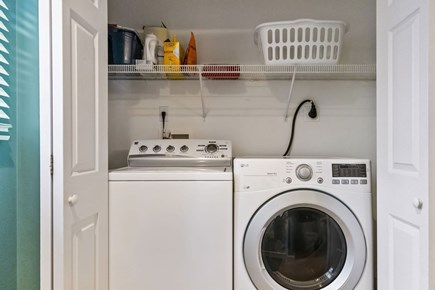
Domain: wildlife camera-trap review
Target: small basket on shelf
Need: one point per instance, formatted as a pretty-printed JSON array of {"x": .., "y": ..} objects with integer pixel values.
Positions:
[{"x": 303, "y": 41}]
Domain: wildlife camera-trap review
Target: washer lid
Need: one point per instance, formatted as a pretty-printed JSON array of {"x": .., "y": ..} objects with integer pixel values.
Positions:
[
  {"x": 171, "y": 173},
  {"x": 304, "y": 239}
]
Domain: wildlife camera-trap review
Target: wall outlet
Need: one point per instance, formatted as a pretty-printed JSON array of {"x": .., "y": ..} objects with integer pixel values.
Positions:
[
  {"x": 163, "y": 109},
  {"x": 307, "y": 118}
]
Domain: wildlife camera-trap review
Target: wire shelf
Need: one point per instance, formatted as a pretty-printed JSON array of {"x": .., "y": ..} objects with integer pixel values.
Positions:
[
  {"x": 243, "y": 72},
  {"x": 142, "y": 71}
]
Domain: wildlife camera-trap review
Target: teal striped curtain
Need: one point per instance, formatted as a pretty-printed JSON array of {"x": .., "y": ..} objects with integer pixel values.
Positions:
[
  {"x": 19, "y": 145},
  {"x": 5, "y": 27}
]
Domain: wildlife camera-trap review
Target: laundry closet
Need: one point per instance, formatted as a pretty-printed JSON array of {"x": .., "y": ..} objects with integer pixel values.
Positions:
[
  {"x": 254, "y": 108},
  {"x": 91, "y": 114},
  {"x": 250, "y": 111}
]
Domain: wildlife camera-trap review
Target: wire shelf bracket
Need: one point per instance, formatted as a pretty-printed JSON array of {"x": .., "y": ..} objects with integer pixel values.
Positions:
[{"x": 290, "y": 93}]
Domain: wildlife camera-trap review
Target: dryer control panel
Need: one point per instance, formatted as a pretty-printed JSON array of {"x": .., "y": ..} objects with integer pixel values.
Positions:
[
  {"x": 263, "y": 173},
  {"x": 179, "y": 153}
]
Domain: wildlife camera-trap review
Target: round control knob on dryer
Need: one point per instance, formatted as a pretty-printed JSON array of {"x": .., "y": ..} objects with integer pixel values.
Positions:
[
  {"x": 170, "y": 148},
  {"x": 211, "y": 148},
  {"x": 143, "y": 148},
  {"x": 157, "y": 148},
  {"x": 184, "y": 148},
  {"x": 304, "y": 172}
]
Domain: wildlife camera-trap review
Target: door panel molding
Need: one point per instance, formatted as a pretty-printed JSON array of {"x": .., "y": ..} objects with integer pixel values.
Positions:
[
  {"x": 84, "y": 52},
  {"x": 403, "y": 97},
  {"x": 402, "y": 235},
  {"x": 85, "y": 241}
]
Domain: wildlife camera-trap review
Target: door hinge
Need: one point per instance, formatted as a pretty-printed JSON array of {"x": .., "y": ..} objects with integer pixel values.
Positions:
[{"x": 51, "y": 165}]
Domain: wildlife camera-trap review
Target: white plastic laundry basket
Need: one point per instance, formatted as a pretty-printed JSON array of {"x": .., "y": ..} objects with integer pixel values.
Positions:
[{"x": 303, "y": 41}]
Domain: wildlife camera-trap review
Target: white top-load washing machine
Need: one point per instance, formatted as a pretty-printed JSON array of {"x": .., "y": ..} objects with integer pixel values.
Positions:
[
  {"x": 170, "y": 217},
  {"x": 302, "y": 224}
]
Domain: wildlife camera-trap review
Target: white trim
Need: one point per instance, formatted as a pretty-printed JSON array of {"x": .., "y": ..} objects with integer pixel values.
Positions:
[{"x": 45, "y": 99}]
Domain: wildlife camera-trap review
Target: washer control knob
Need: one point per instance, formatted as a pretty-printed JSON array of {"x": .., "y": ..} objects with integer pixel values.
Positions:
[
  {"x": 184, "y": 148},
  {"x": 143, "y": 148},
  {"x": 157, "y": 148},
  {"x": 304, "y": 172},
  {"x": 320, "y": 180},
  {"x": 211, "y": 148},
  {"x": 170, "y": 148},
  {"x": 288, "y": 180}
]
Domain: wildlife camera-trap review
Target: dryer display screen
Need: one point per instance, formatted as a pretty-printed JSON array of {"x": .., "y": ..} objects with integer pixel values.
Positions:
[{"x": 349, "y": 170}]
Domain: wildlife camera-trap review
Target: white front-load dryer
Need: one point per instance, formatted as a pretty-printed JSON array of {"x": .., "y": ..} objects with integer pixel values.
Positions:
[{"x": 302, "y": 223}]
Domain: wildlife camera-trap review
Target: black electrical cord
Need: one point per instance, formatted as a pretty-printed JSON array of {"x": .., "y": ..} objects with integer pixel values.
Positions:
[
  {"x": 163, "y": 120},
  {"x": 312, "y": 114}
]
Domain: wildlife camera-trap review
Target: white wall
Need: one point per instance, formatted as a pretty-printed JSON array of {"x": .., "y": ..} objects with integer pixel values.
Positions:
[
  {"x": 224, "y": 28},
  {"x": 250, "y": 113}
]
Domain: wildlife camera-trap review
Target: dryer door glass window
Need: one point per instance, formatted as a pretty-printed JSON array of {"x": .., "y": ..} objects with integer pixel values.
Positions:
[{"x": 303, "y": 248}]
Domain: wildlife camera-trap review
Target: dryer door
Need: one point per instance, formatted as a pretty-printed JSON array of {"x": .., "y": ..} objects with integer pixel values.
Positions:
[{"x": 304, "y": 239}]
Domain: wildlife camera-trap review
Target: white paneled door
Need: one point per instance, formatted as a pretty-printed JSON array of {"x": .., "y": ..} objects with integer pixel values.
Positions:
[
  {"x": 80, "y": 180},
  {"x": 402, "y": 151}
]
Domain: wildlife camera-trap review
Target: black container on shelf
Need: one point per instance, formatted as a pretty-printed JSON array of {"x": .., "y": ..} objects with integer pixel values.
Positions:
[{"x": 124, "y": 45}]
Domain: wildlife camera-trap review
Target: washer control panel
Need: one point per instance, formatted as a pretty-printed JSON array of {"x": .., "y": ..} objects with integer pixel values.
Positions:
[
  {"x": 179, "y": 152},
  {"x": 283, "y": 171}
]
